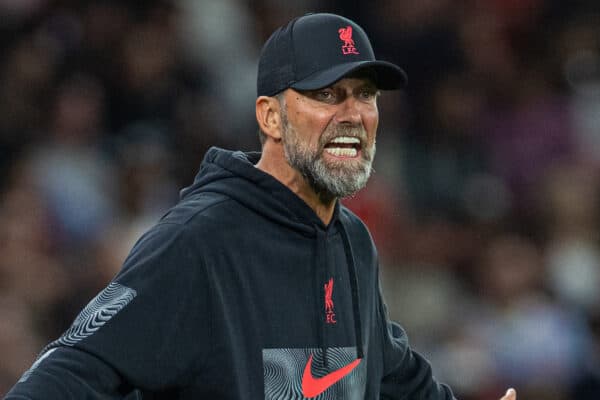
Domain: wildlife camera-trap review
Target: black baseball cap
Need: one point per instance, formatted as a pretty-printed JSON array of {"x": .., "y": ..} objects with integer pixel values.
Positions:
[{"x": 316, "y": 50}]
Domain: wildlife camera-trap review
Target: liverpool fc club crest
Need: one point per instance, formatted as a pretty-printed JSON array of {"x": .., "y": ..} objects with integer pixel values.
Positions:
[
  {"x": 346, "y": 37},
  {"x": 329, "y": 314}
]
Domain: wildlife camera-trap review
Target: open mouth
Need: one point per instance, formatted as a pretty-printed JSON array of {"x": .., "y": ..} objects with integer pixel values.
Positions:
[{"x": 343, "y": 146}]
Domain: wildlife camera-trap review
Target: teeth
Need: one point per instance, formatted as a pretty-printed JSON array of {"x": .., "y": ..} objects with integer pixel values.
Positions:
[
  {"x": 346, "y": 139},
  {"x": 342, "y": 152}
]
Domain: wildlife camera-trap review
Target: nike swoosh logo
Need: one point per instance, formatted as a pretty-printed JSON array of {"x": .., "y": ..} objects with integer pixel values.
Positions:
[{"x": 312, "y": 387}]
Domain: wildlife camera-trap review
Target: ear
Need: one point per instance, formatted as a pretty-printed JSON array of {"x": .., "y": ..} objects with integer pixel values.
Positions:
[{"x": 268, "y": 116}]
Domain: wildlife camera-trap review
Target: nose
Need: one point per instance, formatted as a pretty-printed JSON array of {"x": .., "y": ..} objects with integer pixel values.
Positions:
[{"x": 348, "y": 111}]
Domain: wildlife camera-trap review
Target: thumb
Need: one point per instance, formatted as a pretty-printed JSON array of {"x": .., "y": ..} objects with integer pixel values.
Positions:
[{"x": 511, "y": 394}]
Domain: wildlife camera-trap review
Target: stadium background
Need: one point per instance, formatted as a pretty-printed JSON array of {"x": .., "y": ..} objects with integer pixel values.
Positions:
[{"x": 484, "y": 204}]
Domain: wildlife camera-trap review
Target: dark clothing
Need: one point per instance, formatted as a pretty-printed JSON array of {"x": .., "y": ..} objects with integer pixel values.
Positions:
[{"x": 239, "y": 292}]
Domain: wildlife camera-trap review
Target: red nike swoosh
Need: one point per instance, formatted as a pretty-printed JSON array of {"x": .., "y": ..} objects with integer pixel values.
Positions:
[{"x": 312, "y": 387}]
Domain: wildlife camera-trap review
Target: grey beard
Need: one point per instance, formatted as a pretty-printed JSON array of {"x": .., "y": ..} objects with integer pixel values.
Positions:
[{"x": 328, "y": 181}]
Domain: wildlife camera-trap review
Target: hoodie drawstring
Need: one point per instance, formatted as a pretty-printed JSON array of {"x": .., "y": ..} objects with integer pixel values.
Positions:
[
  {"x": 354, "y": 287},
  {"x": 320, "y": 276}
]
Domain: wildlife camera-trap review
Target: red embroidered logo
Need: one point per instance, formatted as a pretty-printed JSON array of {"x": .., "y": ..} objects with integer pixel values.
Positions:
[
  {"x": 346, "y": 37},
  {"x": 329, "y": 314}
]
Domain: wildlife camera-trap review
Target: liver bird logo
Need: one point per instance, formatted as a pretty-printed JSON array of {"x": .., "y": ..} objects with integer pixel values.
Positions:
[
  {"x": 346, "y": 36},
  {"x": 328, "y": 294},
  {"x": 329, "y": 313}
]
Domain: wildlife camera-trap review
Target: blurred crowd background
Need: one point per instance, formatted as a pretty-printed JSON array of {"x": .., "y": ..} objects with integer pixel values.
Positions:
[{"x": 485, "y": 202}]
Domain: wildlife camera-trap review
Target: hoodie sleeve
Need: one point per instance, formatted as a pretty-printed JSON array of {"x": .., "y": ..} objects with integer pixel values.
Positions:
[
  {"x": 407, "y": 375},
  {"x": 68, "y": 373},
  {"x": 148, "y": 329}
]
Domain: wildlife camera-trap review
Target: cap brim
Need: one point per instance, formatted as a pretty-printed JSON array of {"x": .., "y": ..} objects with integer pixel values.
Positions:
[{"x": 388, "y": 76}]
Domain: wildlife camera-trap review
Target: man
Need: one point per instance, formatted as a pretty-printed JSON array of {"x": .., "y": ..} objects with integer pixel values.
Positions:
[{"x": 258, "y": 284}]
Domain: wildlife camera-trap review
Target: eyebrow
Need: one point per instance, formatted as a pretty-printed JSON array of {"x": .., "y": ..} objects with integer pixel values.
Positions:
[{"x": 367, "y": 83}]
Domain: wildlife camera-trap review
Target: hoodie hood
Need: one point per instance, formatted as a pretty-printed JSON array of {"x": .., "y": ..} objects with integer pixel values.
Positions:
[{"x": 233, "y": 174}]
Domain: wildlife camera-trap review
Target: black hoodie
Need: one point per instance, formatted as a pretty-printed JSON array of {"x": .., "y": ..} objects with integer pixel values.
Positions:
[{"x": 239, "y": 292}]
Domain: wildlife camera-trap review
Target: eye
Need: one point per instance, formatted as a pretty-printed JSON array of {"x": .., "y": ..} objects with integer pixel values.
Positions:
[
  {"x": 325, "y": 95},
  {"x": 368, "y": 93}
]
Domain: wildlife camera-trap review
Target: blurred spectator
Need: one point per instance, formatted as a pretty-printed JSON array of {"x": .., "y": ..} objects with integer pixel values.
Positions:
[
  {"x": 29, "y": 265},
  {"x": 569, "y": 203},
  {"x": 527, "y": 135},
  {"x": 26, "y": 77},
  {"x": 532, "y": 339},
  {"x": 32, "y": 282},
  {"x": 147, "y": 72},
  {"x": 222, "y": 36},
  {"x": 509, "y": 330},
  {"x": 19, "y": 342},
  {"x": 72, "y": 173},
  {"x": 579, "y": 58},
  {"x": 587, "y": 385},
  {"x": 446, "y": 160},
  {"x": 146, "y": 190}
]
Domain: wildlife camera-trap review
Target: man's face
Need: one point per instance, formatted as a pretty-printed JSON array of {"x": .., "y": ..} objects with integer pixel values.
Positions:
[{"x": 329, "y": 135}]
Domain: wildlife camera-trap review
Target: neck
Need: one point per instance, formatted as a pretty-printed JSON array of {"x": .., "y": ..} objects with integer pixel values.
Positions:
[{"x": 275, "y": 164}]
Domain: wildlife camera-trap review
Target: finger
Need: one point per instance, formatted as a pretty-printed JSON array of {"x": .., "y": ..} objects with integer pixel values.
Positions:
[{"x": 511, "y": 394}]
